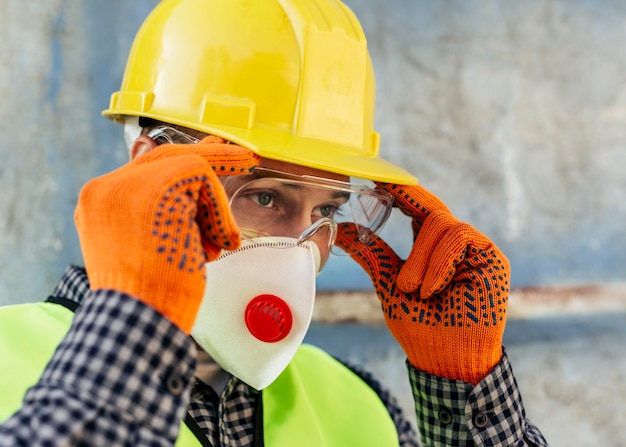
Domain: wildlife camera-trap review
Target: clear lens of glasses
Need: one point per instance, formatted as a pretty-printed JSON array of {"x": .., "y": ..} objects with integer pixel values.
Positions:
[
  {"x": 169, "y": 135},
  {"x": 272, "y": 203}
]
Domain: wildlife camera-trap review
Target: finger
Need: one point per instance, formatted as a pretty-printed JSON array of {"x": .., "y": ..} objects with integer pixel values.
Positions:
[
  {"x": 226, "y": 159},
  {"x": 180, "y": 188},
  {"x": 193, "y": 212},
  {"x": 217, "y": 223},
  {"x": 448, "y": 254},
  {"x": 415, "y": 201},
  {"x": 377, "y": 258},
  {"x": 413, "y": 274}
]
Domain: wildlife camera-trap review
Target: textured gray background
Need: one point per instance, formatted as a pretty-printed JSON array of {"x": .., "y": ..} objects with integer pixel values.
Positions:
[{"x": 512, "y": 112}]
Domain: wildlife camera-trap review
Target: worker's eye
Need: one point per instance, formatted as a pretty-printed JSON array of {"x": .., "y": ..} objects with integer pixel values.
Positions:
[{"x": 264, "y": 199}]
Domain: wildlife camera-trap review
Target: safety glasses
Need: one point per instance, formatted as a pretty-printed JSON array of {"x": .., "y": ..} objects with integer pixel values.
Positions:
[
  {"x": 274, "y": 203},
  {"x": 169, "y": 135},
  {"x": 270, "y": 203}
]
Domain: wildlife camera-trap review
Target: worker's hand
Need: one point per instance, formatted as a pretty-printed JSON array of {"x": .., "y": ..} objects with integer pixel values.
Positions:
[
  {"x": 147, "y": 228},
  {"x": 446, "y": 304}
]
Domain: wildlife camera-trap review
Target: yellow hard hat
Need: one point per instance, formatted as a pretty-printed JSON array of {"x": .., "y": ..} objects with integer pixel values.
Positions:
[{"x": 291, "y": 80}]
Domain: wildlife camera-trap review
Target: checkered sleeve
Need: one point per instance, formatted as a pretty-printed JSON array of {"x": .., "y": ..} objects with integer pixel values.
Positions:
[
  {"x": 451, "y": 412},
  {"x": 121, "y": 376}
]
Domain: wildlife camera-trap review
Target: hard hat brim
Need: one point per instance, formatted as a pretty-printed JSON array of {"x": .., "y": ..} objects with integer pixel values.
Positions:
[{"x": 327, "y": 156}]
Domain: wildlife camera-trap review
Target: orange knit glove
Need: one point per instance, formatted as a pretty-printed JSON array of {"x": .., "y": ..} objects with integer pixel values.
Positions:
[
  {"x": 147, "y": 228},
  {"x": 446, "y": 304}
]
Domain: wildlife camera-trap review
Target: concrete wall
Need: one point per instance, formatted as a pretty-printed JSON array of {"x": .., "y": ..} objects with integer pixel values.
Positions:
[{"x": 512, "y": 112}]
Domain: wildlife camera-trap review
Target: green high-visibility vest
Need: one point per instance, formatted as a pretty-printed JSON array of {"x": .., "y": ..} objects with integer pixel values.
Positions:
[{"x": 315, "y": 402}]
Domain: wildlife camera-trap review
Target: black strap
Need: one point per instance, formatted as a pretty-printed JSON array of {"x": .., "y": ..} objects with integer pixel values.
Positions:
[
  {"x": 258, "y": 422},
  {"x": 68, "y": 304},
  {"x": 202, "y": 438}
]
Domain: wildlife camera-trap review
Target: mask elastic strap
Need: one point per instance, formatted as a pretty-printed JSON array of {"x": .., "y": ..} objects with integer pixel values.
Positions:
[{"x": 132, "y": 130}]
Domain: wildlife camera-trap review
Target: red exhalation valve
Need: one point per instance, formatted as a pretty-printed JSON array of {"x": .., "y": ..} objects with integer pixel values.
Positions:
[{"x": 268, "y": 318}]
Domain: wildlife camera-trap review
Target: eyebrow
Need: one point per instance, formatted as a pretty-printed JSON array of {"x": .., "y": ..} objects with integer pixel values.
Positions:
[{"x": 342, "y": 195}]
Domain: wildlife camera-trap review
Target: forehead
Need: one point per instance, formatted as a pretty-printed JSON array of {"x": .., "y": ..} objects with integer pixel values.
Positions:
[{"x": 301, "y": 170}]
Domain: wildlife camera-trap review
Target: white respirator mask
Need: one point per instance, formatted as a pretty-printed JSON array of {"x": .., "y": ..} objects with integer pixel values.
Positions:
[{"x": 257, "y": 307}]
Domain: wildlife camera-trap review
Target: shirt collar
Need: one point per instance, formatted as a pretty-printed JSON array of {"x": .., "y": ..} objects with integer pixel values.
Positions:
[{"x": 72, "y": 287}]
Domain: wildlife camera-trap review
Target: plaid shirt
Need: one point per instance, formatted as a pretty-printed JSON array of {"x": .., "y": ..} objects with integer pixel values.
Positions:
[{"x": 124, "y": 374}]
